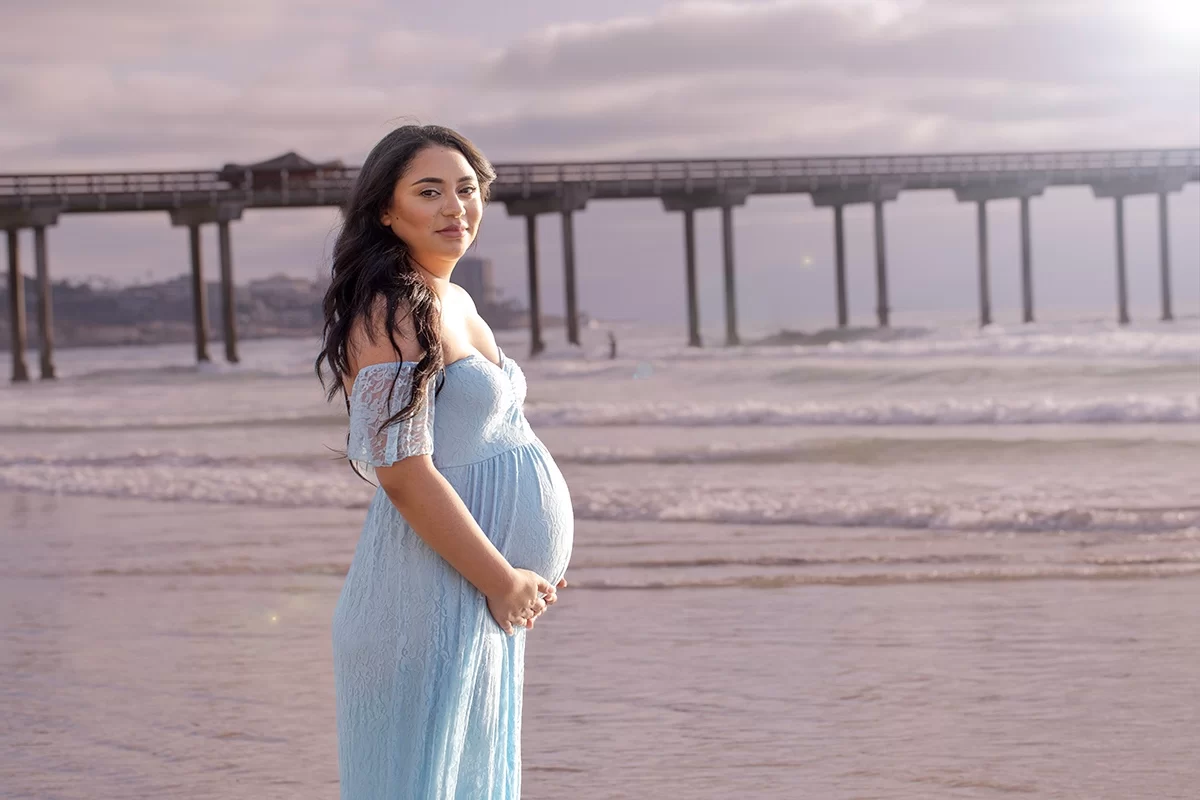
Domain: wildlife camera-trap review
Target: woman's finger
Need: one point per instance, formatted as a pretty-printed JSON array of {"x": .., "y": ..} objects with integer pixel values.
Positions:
[{"x": 562, "y": 583}]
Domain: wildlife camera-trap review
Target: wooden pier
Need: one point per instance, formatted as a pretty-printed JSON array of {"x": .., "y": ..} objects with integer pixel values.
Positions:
[{"x": 202, "y": 197}]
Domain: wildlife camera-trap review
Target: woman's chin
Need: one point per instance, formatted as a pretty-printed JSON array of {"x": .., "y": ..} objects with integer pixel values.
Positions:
[
  {"x": 446, "y": 249},
  {"x": 456, "y": 248}
]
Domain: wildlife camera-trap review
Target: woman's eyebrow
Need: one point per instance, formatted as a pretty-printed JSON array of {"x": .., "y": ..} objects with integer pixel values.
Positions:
[{"x": 439, "y": 181}]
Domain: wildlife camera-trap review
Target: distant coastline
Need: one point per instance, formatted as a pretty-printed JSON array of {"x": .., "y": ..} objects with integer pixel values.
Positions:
[{"x": 89, "y": 315}]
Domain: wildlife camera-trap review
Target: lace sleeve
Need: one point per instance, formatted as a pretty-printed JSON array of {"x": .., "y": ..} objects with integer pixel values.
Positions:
[{"x": 372, "y": 402}]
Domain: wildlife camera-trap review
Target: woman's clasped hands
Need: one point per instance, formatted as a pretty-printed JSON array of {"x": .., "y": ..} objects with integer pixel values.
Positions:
[{"x": 525, "y": 599}]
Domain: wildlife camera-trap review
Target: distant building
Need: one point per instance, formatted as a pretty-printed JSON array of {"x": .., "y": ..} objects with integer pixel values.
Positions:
[
  {"x": 475, "y": 275},
  {"x": 281, "y": 283}
]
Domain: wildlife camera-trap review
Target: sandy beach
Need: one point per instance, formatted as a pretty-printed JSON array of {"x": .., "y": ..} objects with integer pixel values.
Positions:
[{"x": 161, "y": 679}]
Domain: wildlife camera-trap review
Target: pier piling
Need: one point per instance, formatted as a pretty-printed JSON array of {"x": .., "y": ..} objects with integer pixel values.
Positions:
[
  {"x": 693, "y": 299},
  {"x": 1156, "y": 182},
  {"x": 839, "y": 249},
  {"x": 1026, "y": 263},
  {"x": 1164, "y": 256},
  {"x": 732, "y": 193},
  {"x": 37, "y": 218},
  {"x": 45, "y": 307},
  {"x": 563, "y": 199},
  {"x": 731, "y": 326},
  {"x": 199, "y": 301},
  {"x": 877, "y": 193},
  {"x": 1122, "y": 287},
  {"x": 536, "y": 345},
  {"x": 1003, "y": 189},
  {"x": 882, "y": 308},
  {"x": 193, "y": 218},
  {"x": 228, "y": 301},
  {"x": 16, "y": 308},
  {"x": 568, "y": 234},
  {"x": 985, "y": 298}
]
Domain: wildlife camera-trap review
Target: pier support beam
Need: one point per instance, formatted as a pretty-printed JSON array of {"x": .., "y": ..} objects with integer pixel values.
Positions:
[
  {"x": 1164, "y": 256},
  {"x": 1026, "y": 264},
  {"x": 839, "y": 249},
  {"x": 566, "y": 199},
  {"x": 731, "y": 326},
  {"x": 45, "y": 307},
  {"x": 568, "y": 236},
  {"x": 228, "y": 302},
  {"x": 16, "y": 308},
  {"x": 199, "y": 299},
  {"x": 693, "y": 297},
  {"x": 985, "y": 294},
  {"x": 193, "y": 219},
  {"x": 536, "y": 345},
  {"x": 1002, "y": 189},
  {"x": 877, "y": 194},
  {"x": 1120, "y": 188},
  {"x": 882, "y": 306},
  {"x": 1122, "y": 285},
  {"x": 12, "y": 221},
  {"x": 726, "y": 199}
]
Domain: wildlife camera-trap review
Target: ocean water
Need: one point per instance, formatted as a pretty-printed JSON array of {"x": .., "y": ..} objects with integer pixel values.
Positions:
[
  {"x": 928, "y": 534},
  {"x": 1081, "y": 427}
]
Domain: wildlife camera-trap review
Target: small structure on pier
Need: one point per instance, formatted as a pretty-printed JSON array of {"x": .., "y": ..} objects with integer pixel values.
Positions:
[{"x": 291, "y": 167}]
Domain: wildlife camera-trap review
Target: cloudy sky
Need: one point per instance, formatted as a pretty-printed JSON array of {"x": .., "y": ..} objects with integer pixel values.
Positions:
[{"x": 158, "y": 84}]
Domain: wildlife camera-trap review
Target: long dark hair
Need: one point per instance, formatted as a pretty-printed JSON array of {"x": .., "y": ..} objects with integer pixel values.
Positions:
[{"x": 372, "y": 267}]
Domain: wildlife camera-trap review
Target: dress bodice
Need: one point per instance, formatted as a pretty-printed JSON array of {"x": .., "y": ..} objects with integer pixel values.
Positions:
[
  {"x": 479, "y": 411},
  {"x": 475, "y": 415}
]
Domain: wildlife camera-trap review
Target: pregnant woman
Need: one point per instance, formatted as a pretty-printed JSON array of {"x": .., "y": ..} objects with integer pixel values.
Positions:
[{"x": 468, "y": 535}]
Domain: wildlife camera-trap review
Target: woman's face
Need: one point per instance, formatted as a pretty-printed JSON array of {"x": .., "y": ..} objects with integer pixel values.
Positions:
[{"x": 436, "y": 207}]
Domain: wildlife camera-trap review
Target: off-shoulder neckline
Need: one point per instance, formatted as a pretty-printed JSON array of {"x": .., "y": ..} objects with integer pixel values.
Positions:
[{"x": 504, "y": 362}]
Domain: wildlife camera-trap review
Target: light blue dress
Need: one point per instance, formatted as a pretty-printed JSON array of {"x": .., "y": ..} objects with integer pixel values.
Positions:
[{"x": 428, "y": 686}]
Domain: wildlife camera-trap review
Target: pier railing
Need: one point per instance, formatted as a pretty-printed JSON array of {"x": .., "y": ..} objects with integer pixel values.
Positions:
[{"x": 131, "y": 191}]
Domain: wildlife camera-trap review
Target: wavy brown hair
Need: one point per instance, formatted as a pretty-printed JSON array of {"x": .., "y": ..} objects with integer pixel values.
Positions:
[{"x": 372, "y": 269}]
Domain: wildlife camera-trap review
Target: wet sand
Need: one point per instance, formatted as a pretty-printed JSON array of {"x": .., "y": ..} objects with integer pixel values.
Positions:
[{"x": 214, "y": 681}]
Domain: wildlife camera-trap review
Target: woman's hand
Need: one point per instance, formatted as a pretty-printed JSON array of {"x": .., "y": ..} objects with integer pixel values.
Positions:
[
  {"x": 551, "y": 599},
  {"x": 527, "y": 596}
]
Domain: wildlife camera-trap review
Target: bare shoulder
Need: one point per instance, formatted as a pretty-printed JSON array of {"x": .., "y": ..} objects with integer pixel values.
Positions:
[
  {"x": 464, "y": 297},
  {"x": 370, "y": 343},
  {"x": 476, "y": 325}
]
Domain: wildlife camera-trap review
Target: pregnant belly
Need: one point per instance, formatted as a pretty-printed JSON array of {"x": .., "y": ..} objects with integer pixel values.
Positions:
[
  {"x": 543, "y": 521},
  {"x": 521, "y": 501},
  {"x": 545, "y": 529}
]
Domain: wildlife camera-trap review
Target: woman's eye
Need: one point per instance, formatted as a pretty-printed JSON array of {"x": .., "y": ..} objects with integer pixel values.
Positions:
[
  {"x": 427, "y": 192},
  {"x": 469, "y": 189}
]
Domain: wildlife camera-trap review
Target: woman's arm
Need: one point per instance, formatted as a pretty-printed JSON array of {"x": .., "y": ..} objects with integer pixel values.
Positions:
[{"x": 434, "y": 510}]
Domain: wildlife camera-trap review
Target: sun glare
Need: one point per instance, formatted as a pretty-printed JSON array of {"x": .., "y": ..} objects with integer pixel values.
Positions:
[{"x": 1179, "y": 19}]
